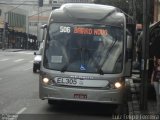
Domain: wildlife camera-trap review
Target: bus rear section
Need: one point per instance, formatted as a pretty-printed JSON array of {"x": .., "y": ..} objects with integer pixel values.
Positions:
[{"x": 84, "y": 55}]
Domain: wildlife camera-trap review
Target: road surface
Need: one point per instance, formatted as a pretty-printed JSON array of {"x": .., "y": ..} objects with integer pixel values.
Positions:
[{"x": 19, "y": 88}]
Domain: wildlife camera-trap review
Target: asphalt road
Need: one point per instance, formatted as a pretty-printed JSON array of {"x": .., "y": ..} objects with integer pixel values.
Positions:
[{"x": 19, "y": 94}]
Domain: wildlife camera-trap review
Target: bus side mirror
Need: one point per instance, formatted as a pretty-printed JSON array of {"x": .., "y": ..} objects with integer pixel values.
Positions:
[
  {"x": 129, "y": 42},
  {"x": 129, "y": 48},
  {"x": 128, "y": 61}
]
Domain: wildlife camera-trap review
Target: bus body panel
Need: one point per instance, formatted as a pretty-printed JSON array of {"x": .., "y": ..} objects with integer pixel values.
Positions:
[
  {"x": 75, "y": 15},
  {"x": 83, "y": 95},
  {"x": 91, "y": 13}
]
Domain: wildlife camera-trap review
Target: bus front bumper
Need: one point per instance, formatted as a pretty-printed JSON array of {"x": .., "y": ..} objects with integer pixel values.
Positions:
[{"x": 113, "y": 96}]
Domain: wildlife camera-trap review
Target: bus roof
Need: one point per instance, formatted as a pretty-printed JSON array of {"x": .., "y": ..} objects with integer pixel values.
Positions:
[{"x": 88, "y": 13}]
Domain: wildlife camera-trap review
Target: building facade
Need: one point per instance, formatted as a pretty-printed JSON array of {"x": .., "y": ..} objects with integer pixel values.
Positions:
[
  {"x": 14, "y": 22},
  {"x": 156, "y": 10},
  {"x": 26, "y": 20},
  {"x": 72, "y": 1},
  {"x": 58, "y": 3},
  {"x": 37, "y": 17}
]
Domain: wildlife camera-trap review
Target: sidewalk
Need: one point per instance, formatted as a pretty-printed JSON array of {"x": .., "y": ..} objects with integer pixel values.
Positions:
[
  {"x": 134, "y": 103},
  {"x": 15, "y": 50}
]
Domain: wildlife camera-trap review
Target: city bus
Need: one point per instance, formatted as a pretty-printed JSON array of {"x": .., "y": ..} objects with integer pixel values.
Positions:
[{"x": 86, "y": 55}]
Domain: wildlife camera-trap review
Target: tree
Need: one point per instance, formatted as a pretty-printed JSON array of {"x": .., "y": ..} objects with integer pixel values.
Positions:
[
  {"x": 121, "y": 4},
  {"x": 132, "y": 7}
]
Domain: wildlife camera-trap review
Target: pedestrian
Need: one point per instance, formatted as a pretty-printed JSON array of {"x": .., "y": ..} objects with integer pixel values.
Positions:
[{"x": 155, "y": 80}]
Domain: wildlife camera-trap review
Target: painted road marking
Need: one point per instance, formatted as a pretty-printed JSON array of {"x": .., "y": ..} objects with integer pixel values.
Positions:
[
  {"x": 29, "y": 53},
  {"x": 31, "y": 61},
  {"x": 27, "y": 68},
  {"x": 21, "y": 110},
  {"x": 18, "y": 60}
]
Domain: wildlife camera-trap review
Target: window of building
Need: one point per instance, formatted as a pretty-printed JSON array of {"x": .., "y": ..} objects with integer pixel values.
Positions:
[
  {"x": 55, "y": 1},
  {"x": 50, "y": 1},
  {"x": 33, "y": 23}
]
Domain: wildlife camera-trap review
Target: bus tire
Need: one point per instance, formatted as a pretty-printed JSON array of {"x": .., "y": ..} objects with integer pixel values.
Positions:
[
  {"x": 50, "y": 102},
  {"x": 53, "y": 102},
  {"x": 122, "y": 108}
]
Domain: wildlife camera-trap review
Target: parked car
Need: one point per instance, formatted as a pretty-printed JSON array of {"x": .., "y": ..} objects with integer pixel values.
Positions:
[{"x": 37, "y": 59}]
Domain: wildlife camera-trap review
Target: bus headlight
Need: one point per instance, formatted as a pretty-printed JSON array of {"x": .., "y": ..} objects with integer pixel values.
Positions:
[
  {"x": 45, "y": 80},
  {"x": 117, "y": 85}
]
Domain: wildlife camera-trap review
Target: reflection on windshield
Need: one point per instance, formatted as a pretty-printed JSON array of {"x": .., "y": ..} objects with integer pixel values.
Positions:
[{"x": 84, "y": 48}]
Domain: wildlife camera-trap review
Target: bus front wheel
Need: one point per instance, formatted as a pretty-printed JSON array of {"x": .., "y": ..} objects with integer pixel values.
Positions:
[{"x": 53, "y": 102}]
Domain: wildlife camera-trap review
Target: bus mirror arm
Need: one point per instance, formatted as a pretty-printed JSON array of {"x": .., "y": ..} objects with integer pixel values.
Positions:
[{"x": 44, "y": 26}]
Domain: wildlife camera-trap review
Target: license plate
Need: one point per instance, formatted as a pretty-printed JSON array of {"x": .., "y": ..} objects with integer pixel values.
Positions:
[
  {"x": 80, "y": 96},
  {"x": 80, "y": 83},
  {"x": 66, "y": 81}
]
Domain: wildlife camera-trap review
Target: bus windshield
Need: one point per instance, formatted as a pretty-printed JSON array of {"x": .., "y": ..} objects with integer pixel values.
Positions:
[{"x": 84, "y": 48}]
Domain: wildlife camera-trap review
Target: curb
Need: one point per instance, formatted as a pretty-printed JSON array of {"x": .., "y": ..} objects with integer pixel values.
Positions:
[
  {"x": 12, "y": 50},
  {"x": 133, "y": 104}
]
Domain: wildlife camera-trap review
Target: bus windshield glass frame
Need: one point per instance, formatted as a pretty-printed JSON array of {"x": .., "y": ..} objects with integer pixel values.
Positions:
[{"x": 84, "y": 48}]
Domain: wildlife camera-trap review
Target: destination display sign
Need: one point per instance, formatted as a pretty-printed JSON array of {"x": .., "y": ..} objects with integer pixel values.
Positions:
[
  {"x": 90, "y": 31},
  {"x": 84, "y": 30}
]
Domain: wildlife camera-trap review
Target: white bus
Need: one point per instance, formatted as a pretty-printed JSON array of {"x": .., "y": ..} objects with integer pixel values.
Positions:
[{"x": 86, "y": 54}]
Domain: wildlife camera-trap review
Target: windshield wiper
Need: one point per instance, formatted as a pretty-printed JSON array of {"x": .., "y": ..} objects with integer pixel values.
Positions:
[
  {"x": 100, "y": 71},
  {"x": 98, "y": 67},
  {"x": 64, "y": 68}
]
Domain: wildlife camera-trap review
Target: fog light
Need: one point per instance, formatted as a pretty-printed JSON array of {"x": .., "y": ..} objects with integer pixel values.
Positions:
[
  {"x": 46, "y": 80},
  {"x": 117, "y": 84}
]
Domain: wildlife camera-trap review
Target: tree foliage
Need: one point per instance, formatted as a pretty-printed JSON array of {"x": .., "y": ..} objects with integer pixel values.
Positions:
[
  {"x": 131, "y": 7},
  {"x": 122, "y": 4}
]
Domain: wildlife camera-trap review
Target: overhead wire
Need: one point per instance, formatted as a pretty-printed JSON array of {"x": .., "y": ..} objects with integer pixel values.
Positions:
[{"x": 17, "y": 6}]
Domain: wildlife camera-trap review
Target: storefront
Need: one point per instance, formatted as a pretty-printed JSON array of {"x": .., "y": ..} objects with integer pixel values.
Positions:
[{"x": 18, "y": 40}]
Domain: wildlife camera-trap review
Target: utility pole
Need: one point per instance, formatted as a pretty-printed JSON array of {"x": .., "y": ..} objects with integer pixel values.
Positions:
[
  {"x": 145, "y": 56},
  {"x": 134, "y": 10},
  {"x": 4, "y": 33},
  {"x": 38, "y": 27},
  {"x": 40, "y": 4},
  {"x": 27, "y": 31}
]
